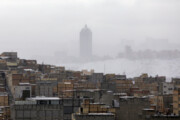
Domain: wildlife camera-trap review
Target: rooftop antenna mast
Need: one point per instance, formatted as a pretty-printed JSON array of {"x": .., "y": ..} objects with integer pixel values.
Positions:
[{"x": 104, "y": 68}]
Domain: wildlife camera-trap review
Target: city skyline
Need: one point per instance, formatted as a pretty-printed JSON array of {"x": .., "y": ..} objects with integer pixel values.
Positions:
[
  {"x": 52, "y": 25},
  {"x": 89, "y": 60}
]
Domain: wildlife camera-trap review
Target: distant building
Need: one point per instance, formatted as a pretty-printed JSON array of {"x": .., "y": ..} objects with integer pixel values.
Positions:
[
  {"x": 39, "y": 108},
  {"x": 10, "y": 55},
  {"x": 166, "y": 88},
  {"x": 45, "y": 88},
  {"x": 22, "y": 91},
  {"x": 131, "y": 107},
  {"x": 94, "y": 111},
  {"x": 97, "y": 77},
  {"x": 45, "y": 108},
  {"x": 176, "y": 82},
  {"x": 86, "y": 72},
  {"x": 86, "y": 42},
  {"x": 122, "y": 85},
  {"x": 176, "y": 100}
]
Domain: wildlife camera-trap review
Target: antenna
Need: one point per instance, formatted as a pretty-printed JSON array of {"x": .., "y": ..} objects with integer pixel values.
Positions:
[{"x": 104, "y": 68}]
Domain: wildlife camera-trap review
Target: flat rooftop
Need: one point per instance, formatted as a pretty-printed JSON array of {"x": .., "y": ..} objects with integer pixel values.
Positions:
[{"x": 43, "y": 98}]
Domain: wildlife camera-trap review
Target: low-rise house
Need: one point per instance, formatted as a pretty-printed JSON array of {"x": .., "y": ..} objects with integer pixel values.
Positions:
[{"x": 94, "y": 111}]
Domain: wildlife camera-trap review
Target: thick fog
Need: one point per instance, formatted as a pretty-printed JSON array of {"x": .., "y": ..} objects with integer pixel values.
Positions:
[{"x": 43, "y": 29}]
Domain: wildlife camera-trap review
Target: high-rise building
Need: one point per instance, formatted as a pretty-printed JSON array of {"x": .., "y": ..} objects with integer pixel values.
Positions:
[{"x": 86, "y": 42}]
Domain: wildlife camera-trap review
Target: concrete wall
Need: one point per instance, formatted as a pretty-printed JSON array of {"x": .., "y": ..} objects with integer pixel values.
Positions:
[
  {"x": 37, "y": 112},
  {"x": 18, "y": 92},
  {"x": 131, "y": 108},
  {"x": 44, "y": 89},
  {"x": 97, "y": 77},
  {"x": 166, "y": 88},
  {"x": 32, "y": 110}
]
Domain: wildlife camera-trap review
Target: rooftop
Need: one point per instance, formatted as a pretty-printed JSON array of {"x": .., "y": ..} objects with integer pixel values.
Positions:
[
  {"x": 100, "y": 114},
  {"x": 43, "y": 98}
]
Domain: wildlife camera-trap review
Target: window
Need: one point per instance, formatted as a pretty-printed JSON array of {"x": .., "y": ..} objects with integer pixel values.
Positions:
[
  {"x": 68, "y": 109},
  {"x": 170, "y": 89},
  {"x": 43, "y": 102},
  {"x": 27, "y": 88},
  {"x": 55, "y": 102}
]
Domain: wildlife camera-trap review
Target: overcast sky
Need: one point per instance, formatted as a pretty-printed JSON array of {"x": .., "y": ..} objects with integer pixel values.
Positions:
[{"x": 43, "y": 27}]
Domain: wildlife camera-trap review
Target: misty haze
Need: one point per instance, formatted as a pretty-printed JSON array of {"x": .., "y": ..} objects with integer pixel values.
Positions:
[
  {"x": 49, "y": 31},
  {"x": 89, "y": 59}
]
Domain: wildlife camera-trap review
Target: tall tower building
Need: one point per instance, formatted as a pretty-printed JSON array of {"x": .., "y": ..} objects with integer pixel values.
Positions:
[{"x": 86, "y": 42}]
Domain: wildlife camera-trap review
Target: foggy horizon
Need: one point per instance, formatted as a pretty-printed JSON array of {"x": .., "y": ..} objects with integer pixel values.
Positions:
[
  {"x": 49, "y": 32},
  {"x": 34, "y": 28}
]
